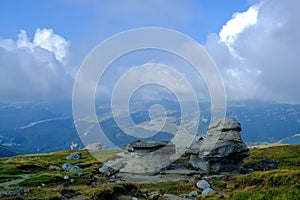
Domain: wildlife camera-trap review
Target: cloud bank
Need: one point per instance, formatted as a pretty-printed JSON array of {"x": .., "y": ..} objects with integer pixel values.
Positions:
[
  {"x": 257, "y": 52},
  {"x": 34, "y": 70}
]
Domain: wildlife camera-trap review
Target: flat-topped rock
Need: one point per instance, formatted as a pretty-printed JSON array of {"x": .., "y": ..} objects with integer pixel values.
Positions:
[{"x": 144, "y": 146}]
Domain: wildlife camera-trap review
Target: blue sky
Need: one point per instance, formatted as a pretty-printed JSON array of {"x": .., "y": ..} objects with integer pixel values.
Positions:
[
  {"x": 254, "y": 42},
  {"x": 96, "y": 20}
]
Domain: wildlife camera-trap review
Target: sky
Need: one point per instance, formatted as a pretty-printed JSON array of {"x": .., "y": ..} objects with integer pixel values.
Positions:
[{"x": 254, "y": 43}]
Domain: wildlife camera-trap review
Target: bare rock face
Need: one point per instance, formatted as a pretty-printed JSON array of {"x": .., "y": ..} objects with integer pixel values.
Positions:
[{"x": 223, "y": 149}]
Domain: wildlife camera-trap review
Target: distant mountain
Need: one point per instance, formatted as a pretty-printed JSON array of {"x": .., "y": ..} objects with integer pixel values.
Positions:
[
  {"x": 294, "y": 139},
  {"x": 40, "y": 128}
]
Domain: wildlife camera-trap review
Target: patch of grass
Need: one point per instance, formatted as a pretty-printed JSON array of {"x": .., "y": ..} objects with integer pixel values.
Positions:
[
  {"x": 287, "y": 155},
  {"x": 180, "y": 187},
  {"x": 47, "y": 179}
]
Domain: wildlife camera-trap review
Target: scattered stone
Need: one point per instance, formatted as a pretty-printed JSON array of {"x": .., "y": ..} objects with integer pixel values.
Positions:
[
  {"x": 74, "y": 156},
  {"x": 72, "y": 180},
  {"x": 207, "y": 191},
  {"x": 134, "y": 198},
  {"x": 193, "y": 193},
  {"x": 66, "y": 177},
  {"x": 202, "y": 184},
  {"x": 43, "y": 184},
  {"x": 68, "y": 167}
]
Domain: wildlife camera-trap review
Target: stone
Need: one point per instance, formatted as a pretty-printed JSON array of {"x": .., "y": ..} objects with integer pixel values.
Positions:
[
  {"x": 94, "y": 147},
  {"x": 207, "y": 191},
  {"x": 193, "y": 193},
  {"x": 72, "y": 180},
  {"x": 68, "y": 167},
  {"x": 202, "y": 184},
  {"x": 66, "y": 177},
  {"x": 74, "y": 156},
  {"x": 223, "y": 149},
  {"x": 43, "y": 184}
]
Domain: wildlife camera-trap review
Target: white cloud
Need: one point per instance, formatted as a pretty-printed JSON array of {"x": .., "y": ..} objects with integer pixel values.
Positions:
[
  {"x": 267, "y": 65},
  {"x": 30, "y": 71},
  {"x": 46, "y": 39},
  {"x": 238, "y": 23}
]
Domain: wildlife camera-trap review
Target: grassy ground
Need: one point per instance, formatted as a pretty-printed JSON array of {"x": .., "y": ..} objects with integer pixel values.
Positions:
[{"x": 283, "y": 183}]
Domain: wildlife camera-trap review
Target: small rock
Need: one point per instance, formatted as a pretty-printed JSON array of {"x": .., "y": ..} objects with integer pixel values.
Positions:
[
  {"x": 43, "y": 184},
  {"x": 68, "y": 167},
  {"x": 72, "y": 180},
  {"x": 74, "y": 156},
  {"x": 202, "y": 184},
  {"x": 207, "y": 191},
  {"x": 134, "y": 198},
  {"x": 193, "y": 193},
  {"x": 66, "y": 177}
]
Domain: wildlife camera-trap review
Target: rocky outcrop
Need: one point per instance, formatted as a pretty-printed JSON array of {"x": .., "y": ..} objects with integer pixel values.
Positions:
[{"x": 223, "y": 149}]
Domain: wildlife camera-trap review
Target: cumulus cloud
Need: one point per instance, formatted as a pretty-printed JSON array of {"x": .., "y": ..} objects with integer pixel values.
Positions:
[
  {"x": 46, "y": 39},
  {"x": 238, "y": 23},
  {"x": 257, "y": 52},
  {"x": 34, "y": 70}
]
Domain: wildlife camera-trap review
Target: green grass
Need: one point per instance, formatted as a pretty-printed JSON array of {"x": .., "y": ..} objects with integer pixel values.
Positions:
[{"x": 283, "y": 183}]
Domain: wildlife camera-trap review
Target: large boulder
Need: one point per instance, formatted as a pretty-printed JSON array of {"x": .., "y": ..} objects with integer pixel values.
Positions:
[
  {"x": 140, "y": 156},
  {"x": 223, "y": 149}
]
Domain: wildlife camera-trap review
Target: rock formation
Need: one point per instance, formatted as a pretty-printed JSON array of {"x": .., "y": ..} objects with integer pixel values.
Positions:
[{"x": 223, "y": 149}]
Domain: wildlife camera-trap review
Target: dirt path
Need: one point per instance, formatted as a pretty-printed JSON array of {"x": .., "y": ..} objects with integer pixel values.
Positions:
[{"x": 16, "y": 181}]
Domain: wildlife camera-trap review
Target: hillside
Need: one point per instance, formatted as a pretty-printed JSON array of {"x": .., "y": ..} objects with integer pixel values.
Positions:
[{"x": 42, "y": 178}]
